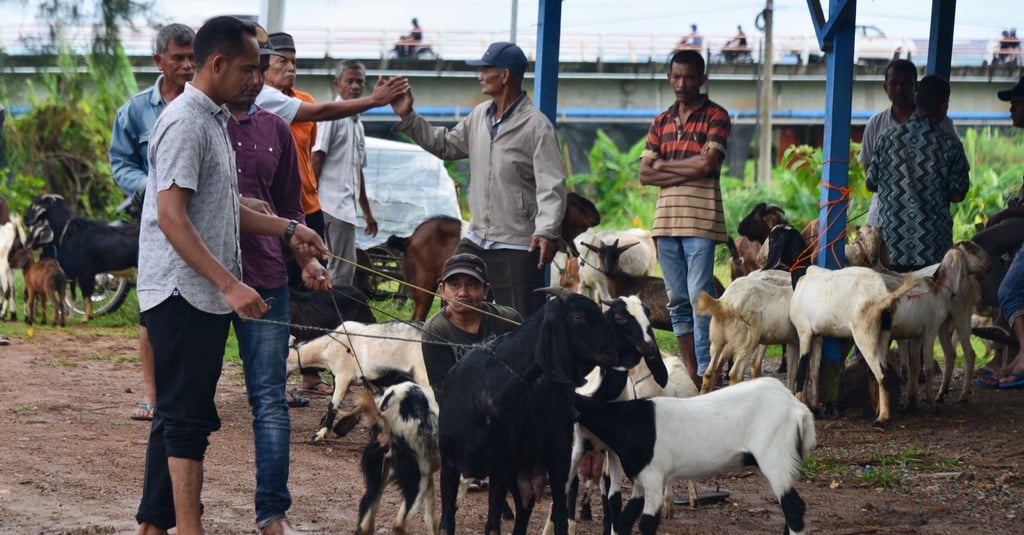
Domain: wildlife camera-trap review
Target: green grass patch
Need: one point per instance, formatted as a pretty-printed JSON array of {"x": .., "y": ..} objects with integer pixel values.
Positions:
[
  {"x": 823, "y": 463},
  {"x": 113, "y": 357},
  {"x": 23, "y": 408},
  {"x": 59, "y": 362}
]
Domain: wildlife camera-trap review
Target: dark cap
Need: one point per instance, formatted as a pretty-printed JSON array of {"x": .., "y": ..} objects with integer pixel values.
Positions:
[
  {"x": 266, "y": 49},
  {"x": 505, "y": 55},
  {"x": 466, "y": 264},
  {"x": 282, "y": 41},
  {"x": 1017, "y": 91}
]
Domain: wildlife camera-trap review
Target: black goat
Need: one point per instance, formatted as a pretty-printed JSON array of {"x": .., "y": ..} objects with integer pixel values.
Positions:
[
  {"x": 785, "y": 251},
  {"x": 760, "y": 221},
  {"x": 506, "y": 413},
  {"x": 318, "y": 310},
  {"x": 84, "y": 247}
]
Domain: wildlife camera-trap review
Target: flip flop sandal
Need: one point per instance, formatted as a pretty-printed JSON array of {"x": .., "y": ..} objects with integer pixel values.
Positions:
[
  {"x": 315, "y": 390},
  {"x": 1017, "y": 382},
  {"x": 297, "y": 401},
  {"x": 143, "y": 412}
]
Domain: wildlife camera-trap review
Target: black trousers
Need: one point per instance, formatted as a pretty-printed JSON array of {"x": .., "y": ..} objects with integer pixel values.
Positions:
[{"x": 514, "y": 276}]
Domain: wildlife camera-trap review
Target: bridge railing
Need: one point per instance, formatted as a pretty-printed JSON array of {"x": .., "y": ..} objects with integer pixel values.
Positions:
[{"x": 336, "y": 42}]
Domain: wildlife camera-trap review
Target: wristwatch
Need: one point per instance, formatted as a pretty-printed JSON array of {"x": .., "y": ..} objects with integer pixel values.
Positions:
[{"x": 289, "y": 232}]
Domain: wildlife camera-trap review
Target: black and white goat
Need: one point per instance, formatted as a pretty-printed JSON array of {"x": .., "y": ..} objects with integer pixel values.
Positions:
[
  {"x": 83, "y": 247},
  {"x": 506, "y": 412},
  {"x": 635, "y": 343},
  {"x": 402, "y": 448},
  {"x": 661, "y": 440}
]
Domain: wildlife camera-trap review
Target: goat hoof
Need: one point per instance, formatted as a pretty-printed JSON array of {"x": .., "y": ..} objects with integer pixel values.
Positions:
[
  {"x": 880, "y": 425},
  {"x": 318, "y": 436}
]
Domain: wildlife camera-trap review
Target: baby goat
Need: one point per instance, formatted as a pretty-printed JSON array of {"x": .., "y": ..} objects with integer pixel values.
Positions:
[
  {"x": 402, "y": 417},
  {"x": 755, "y": 423},
  {"x": 44, "y": 280}
]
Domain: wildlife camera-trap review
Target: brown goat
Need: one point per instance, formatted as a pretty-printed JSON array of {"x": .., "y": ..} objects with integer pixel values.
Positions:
[{"x": 44, "y": 280}]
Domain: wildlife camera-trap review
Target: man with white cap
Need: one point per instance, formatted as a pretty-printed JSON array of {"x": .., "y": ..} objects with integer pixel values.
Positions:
[{"x": 517, "y": 184}]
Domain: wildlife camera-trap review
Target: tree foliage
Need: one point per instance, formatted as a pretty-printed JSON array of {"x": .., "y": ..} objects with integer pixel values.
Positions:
[{"x": 60, "y": 146}]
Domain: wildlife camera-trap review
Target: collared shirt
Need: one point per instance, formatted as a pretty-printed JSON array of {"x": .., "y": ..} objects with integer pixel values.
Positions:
[
  {"x": 129, "y": 141},
  {"x": 286, "y": 104},
  {"x": 492, "y": 110},
  {"x": 916, "y": 169},
  {"x": 875, "y": 127},
  {"x": 343, "y": 143},
  {"x": 693, "y": 208},
  {"x": 190, "y": 148},
  {"x": 268, "y": 170}
]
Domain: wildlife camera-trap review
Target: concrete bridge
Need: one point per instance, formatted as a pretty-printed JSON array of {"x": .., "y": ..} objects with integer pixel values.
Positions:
[{"x": 632, "y": 93}]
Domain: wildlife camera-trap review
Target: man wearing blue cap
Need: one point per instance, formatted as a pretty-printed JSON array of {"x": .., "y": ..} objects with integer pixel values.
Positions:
[{"x": 517, "y": 185}]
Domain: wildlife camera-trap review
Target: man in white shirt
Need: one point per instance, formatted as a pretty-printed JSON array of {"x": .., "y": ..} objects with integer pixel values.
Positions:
[{"x": 339, "y": 156}]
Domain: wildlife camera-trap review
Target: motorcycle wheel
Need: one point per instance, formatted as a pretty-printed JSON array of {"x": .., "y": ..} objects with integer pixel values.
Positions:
[
  {"x": 425, "y": 54},
  {"x": 110, "y": 293}
]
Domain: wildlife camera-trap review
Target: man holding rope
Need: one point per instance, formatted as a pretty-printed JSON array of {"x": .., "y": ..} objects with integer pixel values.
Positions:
[{"x": 465, "y": 318}]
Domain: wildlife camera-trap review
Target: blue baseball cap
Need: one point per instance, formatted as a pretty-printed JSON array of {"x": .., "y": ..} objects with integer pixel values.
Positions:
[{"x": 505, "y": 55}]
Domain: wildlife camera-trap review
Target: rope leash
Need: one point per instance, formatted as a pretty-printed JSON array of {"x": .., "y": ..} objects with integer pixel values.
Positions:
[
  {"x": 415, "y": 287},
  {"x": 331, "y": 332}
]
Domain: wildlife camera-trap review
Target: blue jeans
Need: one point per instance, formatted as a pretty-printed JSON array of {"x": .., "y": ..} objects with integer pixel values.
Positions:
[
  {"x": 1011, "y": 291},
  {"x": 264, "y": 349},
  {"x": 688, "y": 265}
]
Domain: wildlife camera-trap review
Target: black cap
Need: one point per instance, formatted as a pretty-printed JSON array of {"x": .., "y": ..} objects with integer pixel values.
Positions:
[
  {"x": 282, "y": 41},
  {"x": 1017, "y": 91},
  {"x": 505, "y": 55},
  {"x": 466, "y": 264}
]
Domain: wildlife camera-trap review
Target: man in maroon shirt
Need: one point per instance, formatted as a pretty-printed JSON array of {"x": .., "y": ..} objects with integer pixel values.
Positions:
[{"x": 268, "y": 180}]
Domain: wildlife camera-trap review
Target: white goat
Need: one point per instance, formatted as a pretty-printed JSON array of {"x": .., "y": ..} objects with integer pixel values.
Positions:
[
  {"x": 940, "y": 303},
  {"x": 357, "y": 350},
  {"x": 852, "y": 303},
  {"x": 640, "y": 259},
  {"x": 11, "y": 239},
  {"x": 755, "y": 423},
  {"x": 750, "y": 314}
]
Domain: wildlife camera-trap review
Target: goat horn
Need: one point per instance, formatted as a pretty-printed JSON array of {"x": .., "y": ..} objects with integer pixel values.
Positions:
[{"x": 557, "y": 291}]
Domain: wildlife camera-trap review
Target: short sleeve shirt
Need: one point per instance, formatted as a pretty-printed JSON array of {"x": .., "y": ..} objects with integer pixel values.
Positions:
[
  {"x": 190, "y": 148},
  {"x": 343, "y": 143},
  {"x": 915, "y": 171},
  {"x": 694, "y": 208}
]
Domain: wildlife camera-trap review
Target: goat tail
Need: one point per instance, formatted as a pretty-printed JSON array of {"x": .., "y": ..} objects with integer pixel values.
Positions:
[
  {"x": 709, "y": 305},
  {"x": 807, "y": 438},
  {"x": 884, "y": 308}
]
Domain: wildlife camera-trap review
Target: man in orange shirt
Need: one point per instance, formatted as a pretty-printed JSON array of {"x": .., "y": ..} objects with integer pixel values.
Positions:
[
  {"x": 279, "y": 96},
  {"x": 281, "y": 76}
]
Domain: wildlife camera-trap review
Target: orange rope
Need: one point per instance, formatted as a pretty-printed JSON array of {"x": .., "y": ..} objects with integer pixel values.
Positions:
[{"x": 812, "y": 249}]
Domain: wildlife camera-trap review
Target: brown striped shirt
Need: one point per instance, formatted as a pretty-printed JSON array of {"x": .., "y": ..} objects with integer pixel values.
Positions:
[{"x": 694, "y": 208}]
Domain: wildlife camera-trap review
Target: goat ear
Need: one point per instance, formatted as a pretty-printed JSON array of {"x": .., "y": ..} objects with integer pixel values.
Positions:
[
  {"x": 591, "y": 247},
  {"x": 657, "y": 366},
  {"x": 552, "y": 351}
]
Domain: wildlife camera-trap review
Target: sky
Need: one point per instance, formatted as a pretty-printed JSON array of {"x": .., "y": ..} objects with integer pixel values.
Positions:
[{"x": 980, "y": 19}]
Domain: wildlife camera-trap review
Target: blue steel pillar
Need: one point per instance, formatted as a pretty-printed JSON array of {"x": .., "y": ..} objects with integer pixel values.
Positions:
[
  {"x": 545, "y": 83},
  {"x": 940, "y": 38},
  {"x": 836, "y": 37}
]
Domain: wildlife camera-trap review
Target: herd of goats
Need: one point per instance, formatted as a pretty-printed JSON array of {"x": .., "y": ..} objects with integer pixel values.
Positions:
[{"x": 582, "y": 384}]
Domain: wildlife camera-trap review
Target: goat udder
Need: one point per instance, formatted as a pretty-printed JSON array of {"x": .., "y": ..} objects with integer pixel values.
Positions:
[{"x": 531, "y": 485}]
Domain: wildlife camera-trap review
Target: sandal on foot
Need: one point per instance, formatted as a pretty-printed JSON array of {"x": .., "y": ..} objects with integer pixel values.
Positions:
[
  {"x": 1014, "y": 380},
  {"x": 318, "y": 388},
  {"x": 143, "y": 412},
  {"x": 295, "y": 400}
]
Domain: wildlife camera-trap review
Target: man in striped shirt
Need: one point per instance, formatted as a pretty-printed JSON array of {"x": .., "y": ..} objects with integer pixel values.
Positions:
[{"x": 684, "y": 153}]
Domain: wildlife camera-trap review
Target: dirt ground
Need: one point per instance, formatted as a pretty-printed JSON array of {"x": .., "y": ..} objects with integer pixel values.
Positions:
[{"x": 71, "y": 460}]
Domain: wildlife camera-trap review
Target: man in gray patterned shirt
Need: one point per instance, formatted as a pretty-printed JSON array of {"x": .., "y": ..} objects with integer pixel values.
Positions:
[
  {"x": 190, "y": 266},
  {"x": 918, "y": 169}
]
